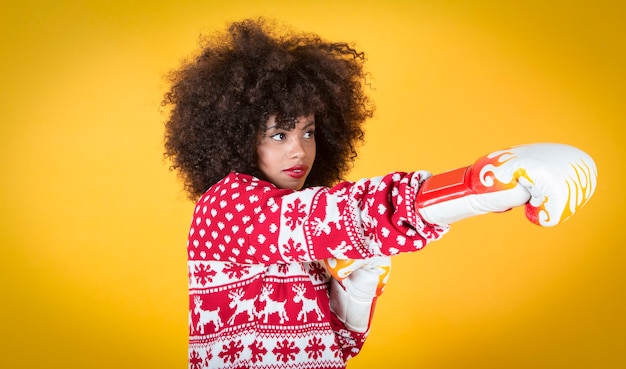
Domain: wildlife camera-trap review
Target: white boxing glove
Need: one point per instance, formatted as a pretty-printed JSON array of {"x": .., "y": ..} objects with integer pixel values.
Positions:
[
  {"x": 355, "y": 287},
  {"x": 552, "y": 180}
]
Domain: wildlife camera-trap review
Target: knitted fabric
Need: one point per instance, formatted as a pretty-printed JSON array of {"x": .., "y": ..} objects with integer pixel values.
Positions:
[{"x": 258, "y": 297}]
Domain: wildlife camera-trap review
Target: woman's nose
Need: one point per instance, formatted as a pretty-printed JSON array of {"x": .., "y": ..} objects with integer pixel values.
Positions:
[{"x": 296, "y": 149}]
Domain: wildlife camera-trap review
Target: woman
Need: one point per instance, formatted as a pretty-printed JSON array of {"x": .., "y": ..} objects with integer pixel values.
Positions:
[{"x": 286, "y": 259}]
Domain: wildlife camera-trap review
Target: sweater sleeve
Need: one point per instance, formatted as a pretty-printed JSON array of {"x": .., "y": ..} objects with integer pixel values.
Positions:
[{"x": 246, "y": 220}]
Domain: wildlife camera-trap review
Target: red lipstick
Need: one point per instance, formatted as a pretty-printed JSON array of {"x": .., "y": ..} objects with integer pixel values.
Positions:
[{"x": 297, "y": 171}]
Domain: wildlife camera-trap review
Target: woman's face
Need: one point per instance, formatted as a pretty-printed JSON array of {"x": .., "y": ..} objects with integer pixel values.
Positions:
[{"x": 286, "y": 156}]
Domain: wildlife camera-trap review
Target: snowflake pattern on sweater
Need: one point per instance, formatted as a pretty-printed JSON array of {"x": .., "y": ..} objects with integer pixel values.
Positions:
[{"x": 258, "y": 297}]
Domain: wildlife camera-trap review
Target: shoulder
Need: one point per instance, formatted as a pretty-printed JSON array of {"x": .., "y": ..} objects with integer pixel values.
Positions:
[
  {"x": 237, "y": 192},
  {"x": 236, "y": 182}
]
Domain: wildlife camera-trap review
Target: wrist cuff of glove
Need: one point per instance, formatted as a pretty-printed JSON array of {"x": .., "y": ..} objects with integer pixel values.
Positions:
[{"x": 354, "y": 309}]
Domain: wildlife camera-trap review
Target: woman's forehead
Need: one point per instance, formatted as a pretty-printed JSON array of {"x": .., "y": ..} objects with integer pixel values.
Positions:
[{"x": 282, "y": 122}]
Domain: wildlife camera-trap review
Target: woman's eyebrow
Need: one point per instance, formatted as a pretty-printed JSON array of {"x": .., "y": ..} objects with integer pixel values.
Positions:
[{"x": 307, "y": 125}]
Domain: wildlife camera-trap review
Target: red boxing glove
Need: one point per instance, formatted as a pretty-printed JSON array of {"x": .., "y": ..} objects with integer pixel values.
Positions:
[{"x": 552, "y": 180}]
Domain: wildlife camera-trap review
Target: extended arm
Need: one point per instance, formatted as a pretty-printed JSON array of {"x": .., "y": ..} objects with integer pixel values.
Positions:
[
  {"x": 249, "y": 221},
  {"x": 552, "y": 180}
]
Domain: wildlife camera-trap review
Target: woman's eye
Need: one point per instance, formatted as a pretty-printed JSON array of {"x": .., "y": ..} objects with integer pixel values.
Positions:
[
  {"x": 278, "y": 136},
  {"x": 309, "y": 134}
]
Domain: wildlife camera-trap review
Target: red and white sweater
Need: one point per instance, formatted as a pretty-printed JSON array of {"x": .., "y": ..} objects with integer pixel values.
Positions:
[{"x": 258, "y": 298}]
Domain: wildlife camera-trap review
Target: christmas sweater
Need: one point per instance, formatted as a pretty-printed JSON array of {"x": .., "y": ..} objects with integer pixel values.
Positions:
[{"x": 258, "y": 297}]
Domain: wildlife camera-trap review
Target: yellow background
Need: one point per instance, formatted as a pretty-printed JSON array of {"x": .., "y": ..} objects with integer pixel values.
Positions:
[{"x": 93, "y": 224}]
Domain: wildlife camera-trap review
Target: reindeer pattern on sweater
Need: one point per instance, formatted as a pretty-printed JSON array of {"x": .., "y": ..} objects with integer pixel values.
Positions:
[{"x": 258, "y": 296}]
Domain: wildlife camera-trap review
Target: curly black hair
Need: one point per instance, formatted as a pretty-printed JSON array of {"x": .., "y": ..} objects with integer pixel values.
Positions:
[{"x": 221, "y": 100}]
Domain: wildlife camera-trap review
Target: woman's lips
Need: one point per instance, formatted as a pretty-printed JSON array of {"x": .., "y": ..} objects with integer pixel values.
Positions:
[{"x": 297, "y": 171}]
